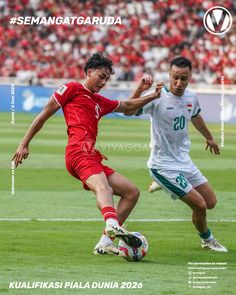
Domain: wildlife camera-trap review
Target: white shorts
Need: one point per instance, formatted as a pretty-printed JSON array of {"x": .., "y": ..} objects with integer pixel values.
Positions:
[{"x": 178, "y": 183}]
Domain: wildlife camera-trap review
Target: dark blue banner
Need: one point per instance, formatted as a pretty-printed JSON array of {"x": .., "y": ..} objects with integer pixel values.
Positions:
[{"x": 33, "y": 98}]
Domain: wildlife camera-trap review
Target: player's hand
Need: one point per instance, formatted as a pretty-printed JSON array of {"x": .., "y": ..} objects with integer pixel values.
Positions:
[
  {"x": 211, "y": 143},
  {"x": 159, "y": 86},
  {"x": 21, "y": 153},
  {"x": 145, "y": 82},
  {"x": 157, "y": 93}
]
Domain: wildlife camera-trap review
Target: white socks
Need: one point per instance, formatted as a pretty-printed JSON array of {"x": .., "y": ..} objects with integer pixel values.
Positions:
[{"x": 111, "y": 221}]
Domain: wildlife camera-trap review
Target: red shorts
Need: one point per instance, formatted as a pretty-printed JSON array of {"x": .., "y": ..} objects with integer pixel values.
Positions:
[{"x": 81, "y": 165}]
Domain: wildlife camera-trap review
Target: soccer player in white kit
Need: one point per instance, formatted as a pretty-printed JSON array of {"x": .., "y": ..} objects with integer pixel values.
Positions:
[{"x": 170, "y": 164}]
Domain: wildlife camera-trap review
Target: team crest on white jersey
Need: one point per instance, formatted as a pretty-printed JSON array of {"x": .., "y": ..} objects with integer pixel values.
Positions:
[
  {"x": 189, "y": 106},
  {"x": 62, "y": 89}
]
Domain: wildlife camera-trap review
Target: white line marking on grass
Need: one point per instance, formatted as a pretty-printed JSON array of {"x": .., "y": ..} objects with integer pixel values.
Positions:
[{"x": 99, "y": 219}]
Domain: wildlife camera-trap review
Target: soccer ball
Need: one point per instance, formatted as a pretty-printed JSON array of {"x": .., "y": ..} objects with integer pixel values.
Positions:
[{"x": 133, "y": 253}]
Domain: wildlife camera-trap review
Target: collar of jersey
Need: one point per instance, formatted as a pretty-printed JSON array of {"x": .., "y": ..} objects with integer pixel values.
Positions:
[
  {"x": 166, "y": 88},
  {"x": 86, "y": 88}
]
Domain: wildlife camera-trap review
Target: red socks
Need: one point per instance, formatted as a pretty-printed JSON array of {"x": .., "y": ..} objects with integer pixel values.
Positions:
[{"x": 110, "y": 213}]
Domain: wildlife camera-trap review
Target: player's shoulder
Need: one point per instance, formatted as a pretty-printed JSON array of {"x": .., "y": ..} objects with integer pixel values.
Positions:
[
  {"x": 189, "y": 92},
  {"x": 71, "y": 86},
  {"x": 74, "y": 85},
  {"x": 101, "y": 98},
  {"x": 98, "y": 95},
  {"x": 190, "y": 95}
]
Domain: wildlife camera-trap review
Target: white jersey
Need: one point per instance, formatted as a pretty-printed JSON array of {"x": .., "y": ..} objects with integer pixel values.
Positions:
[{"x": 170, "y": 115}]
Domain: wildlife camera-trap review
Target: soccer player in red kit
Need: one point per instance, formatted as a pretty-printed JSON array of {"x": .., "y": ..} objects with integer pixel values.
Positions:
[{"x": 83, "y": 107}]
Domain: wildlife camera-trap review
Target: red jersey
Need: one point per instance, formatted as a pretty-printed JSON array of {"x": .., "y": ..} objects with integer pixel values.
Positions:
[{"x": 82, "y": 111}]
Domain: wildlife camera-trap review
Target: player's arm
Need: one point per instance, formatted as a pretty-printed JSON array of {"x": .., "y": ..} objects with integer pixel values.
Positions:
[
  {"x": 23, "y": 150},
  {"x": 130, "y": 107},
  {"x": 144, "y": 84},
  {"x": 199, "y": 123}
]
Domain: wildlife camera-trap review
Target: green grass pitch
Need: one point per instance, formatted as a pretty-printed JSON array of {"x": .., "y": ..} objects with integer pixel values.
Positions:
[{"x": 60, "y": 251}]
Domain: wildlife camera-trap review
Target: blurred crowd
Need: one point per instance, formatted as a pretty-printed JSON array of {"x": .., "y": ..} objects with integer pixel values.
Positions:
[{"x": 151, "y": 34}]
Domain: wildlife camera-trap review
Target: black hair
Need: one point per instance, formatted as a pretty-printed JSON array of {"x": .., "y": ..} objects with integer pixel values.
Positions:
[
  {"x": 98, "y": 61},
  {"x": 181, "y": 62}
]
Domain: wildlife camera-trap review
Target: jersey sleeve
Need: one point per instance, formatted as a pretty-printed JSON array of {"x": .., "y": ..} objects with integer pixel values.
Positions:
[
  {"x": 147, "y": 109},
  {"x": 65, "y": 93},
  {"x": 196, "y": 107},
  {"x": 109, "y": 105}
]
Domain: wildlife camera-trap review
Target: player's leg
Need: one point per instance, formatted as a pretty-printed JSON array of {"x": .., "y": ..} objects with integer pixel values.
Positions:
[
  {"x": 176, "y": 184},
  {"x": 210, "y": 198},
  {"x": 98, "y": 183},
  {"x": 197, "y": 203},
  {"x": 94, "y": 177},
  {"x": 129, "y": 195},
  {"x": 206, "y": 191},
  {"x": 128, "y": 192},
  {"x": 201, "y": 185}
]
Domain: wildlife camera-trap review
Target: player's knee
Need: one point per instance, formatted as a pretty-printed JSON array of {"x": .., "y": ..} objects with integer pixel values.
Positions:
[
  {"x": 211, "y": 204},
  {"x": 201, "y": 207},
  {"x": 104, "y": 190},
  {"x": 131, "y": 193},
  {"x": 135, "y": 193}
]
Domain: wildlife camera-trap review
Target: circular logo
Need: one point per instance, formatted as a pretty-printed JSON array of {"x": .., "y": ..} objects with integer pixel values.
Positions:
[
  {"x": 88, "y": 147},
  {"x": 217, "y": 20}
]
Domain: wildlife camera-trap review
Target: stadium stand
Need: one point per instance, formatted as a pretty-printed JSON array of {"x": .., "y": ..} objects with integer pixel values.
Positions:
[{"x": 151, "y": 34}]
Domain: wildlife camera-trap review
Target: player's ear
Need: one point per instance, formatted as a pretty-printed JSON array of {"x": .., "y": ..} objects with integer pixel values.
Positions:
[{"x": 89, "y": 72}]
